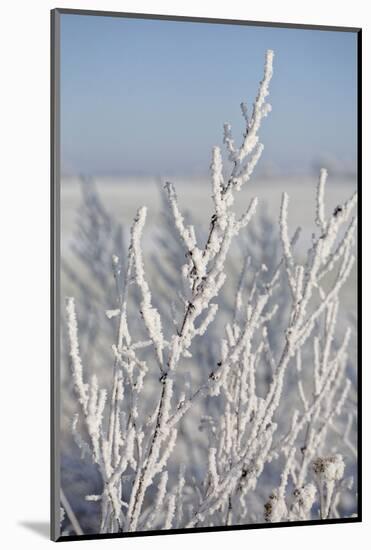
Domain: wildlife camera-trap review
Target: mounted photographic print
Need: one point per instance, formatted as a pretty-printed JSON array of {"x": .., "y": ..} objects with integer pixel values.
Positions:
[{"x": 205, "y": 373}]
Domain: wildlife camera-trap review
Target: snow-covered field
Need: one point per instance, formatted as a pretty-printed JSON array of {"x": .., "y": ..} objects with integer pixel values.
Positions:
[{"x": 123, "y": 196}]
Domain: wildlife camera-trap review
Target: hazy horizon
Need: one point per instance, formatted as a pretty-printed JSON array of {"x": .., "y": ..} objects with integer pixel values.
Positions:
[{"x": 149, "y": 97}]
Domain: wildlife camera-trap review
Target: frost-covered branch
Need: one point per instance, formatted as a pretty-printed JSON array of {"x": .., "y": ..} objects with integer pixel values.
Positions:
[{"x": 270, "y": 330}]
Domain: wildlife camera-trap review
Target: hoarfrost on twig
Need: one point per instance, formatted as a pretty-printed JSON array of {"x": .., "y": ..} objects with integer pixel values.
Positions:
[{"x": 131, "y": 439}]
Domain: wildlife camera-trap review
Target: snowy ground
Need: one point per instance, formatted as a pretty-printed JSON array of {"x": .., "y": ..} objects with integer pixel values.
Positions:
[{"x": 124, "y": 196}]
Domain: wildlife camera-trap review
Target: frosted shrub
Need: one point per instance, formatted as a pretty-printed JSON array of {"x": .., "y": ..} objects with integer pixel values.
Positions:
[
  {"x": 329, "y": 472},
  {"x": 261, "y": 458}
]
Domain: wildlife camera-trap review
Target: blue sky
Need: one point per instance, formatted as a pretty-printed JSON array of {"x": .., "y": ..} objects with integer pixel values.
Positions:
[{"x": 149, "y": 97}]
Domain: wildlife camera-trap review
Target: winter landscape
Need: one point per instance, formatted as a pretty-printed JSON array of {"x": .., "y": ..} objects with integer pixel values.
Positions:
[{"x": 209, "y": 341}]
